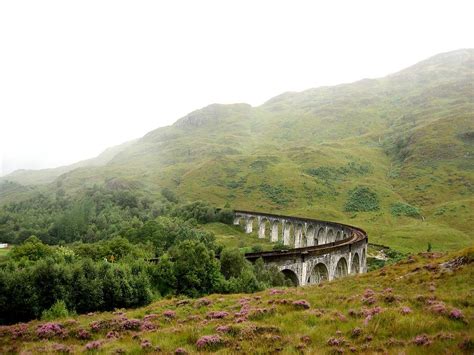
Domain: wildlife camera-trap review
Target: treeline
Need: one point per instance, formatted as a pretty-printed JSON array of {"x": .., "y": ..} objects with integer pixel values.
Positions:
[
  {"x": 96, "y": 213},
  {"x": 163, "y": 256}
]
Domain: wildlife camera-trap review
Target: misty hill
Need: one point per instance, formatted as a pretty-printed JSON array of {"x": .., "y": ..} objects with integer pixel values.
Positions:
[
  {"x": 393, "y": 155},
  {"x": 44, "y": 176}
]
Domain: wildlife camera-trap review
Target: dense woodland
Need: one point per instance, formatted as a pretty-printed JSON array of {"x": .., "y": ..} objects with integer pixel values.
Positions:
[{"x": 111, "y": 248}]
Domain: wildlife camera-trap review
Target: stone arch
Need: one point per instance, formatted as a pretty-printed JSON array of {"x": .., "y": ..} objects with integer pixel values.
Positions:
[
  {"x": 362, "y": 261},
  {"x": 330, "y": 236},
  {"x": 298, "y": 234},
  {"x": 250, "y": 224},
  {"x": 318, "y": 274},
  {"x": 338, "y": 236},
  {"x": 275, "y": 231},
  {"x": 291, "y": 276},
  {"x": 289, "y": 233},
  {"x": 264, "y": 228},
  {"x": 341, "y": 268},
  {"x": 308, "y": 236},
  {"x": 355, "y": 265},
  {"x": 320, "y": 236}
]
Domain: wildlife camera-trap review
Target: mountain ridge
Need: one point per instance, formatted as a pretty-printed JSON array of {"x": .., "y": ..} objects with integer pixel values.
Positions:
[{"x": 405, "y": 136}]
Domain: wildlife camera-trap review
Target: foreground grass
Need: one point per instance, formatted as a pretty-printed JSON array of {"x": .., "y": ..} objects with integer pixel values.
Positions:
[{"x": 423, "y": 304}]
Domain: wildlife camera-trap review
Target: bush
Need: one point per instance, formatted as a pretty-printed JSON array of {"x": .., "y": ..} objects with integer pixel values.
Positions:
[
  {"x": 232, "y": 263},
  {"x": 404, "y": 209},
  {"x": 362, "y": 199},
  {"x": 57, "y": 310}
]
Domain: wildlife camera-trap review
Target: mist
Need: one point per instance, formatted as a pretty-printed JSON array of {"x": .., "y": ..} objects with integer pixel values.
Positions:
[{"x": 76, "y": 78}]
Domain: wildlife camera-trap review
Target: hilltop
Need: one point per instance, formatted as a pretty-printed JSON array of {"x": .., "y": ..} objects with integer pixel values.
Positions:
[
  {"x": 404, "y": 141},
  {"x": 423, "y": 304}
]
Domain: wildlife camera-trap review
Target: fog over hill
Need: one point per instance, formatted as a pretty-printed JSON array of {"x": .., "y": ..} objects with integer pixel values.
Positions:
[{"x": 407, "y": 136}]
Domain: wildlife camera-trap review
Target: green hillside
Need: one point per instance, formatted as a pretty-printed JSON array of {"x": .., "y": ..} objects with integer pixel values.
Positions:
[
  {"x": 407, "y": 308},
  {"x": 394, "y": 156}
]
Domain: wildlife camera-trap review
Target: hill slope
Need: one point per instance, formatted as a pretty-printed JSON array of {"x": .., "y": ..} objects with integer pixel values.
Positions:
[
  {"x": 405, "y": 140},
  {"x": 411, "y": 309}
]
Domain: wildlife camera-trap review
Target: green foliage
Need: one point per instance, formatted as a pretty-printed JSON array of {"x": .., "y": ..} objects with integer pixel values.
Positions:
[
  {"x": 31, "y": 249},
  {"x": 329, "y": 174},
  {"x": 232, "y": 262},
  {"x": 277, "y": 194},
  {"x": 269, "y": 276},
  {"x": 195, "y": 268},
  {"x": 404, "y": 209},
  {"x": 169, "y": 195},
  {"x": 29, "y": 290},
  {"x": 58, "y": 310},
  {"x": 362, "y": 199}
]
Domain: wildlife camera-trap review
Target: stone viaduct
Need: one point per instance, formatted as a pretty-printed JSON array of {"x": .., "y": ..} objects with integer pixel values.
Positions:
[{"x": 317, "y": 250}]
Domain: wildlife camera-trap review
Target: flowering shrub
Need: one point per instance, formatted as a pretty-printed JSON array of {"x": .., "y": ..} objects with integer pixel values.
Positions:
[
  {"x": 93, "y": 345},
  {"x": 341, "y": 317},
  {"x": 356, "y": 332},
  {"x": 203, "y": 302},
  {"x": 131, "y": 324},
  {"x": 456, "y": 314},
  {"x": 169, "y": 313},
  {"x": 370, "y": 312},
  {"x": 335, "y": 341},
  {"x": 422, "y": 340},
  {"x": 145, "y": 344},
  {"x": 405, "y": 310},
  {"x": 83, "y": 334},
  {"x": 368, "y": 293},
  {"x": 301, "y": 304},
  {"x": 217, "y": 314},
  {"x": 19, "y": 330},
  {"x": 209, "y": 341},
  {"x": 437, "y": 307},
  {"x": 180, "y": 351},
  {"x": 112, "y": 335},
  {"x": 98, "y": 325},
  {"x": 368, "y": 297},
  {"x": 147, "y": 325},
  {"x": 223, "y": 329},
  {"x": 49, "y": 330},
  {"x": 275, "y": 291}
]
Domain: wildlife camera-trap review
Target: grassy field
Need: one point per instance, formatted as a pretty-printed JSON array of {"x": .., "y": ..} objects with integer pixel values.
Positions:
[
  {"x": 235, "y": 237},
  {"x": 423, "y": 304},
  {"x": 4, "y": 252}
]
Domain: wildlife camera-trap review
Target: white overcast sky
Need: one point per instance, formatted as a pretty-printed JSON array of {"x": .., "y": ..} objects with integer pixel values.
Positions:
[{"x": 79, "y": 76}]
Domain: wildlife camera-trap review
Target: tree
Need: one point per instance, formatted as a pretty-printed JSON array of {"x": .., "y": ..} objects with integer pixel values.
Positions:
[
  {"x": 232, "y": 262},
  {"x": 195, "y": 268},
  {"x": 32, "y": 249}
]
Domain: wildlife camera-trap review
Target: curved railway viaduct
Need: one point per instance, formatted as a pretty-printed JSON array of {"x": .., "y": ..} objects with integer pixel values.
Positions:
[{"x": 317, "y": 250}]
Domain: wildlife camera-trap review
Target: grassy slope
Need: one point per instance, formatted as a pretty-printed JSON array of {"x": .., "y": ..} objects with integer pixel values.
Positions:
[
  {"x": 414, "y": 129},
  {"x": 274, "y": 324}
]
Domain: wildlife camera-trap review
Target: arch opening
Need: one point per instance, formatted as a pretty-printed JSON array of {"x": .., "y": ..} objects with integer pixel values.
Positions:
[
  {"x": 318, "y": 274},
  {"x": 320, "y": 235},
  {"x": 341, "y": 268},
  {"x": 330, "y": 236},
  {"x": 355, "y": 265},
  {"x": 290, "y": 276}
]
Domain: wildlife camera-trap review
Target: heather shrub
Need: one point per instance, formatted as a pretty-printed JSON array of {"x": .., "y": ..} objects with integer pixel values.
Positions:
[{"x": 209, "y": 342}]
